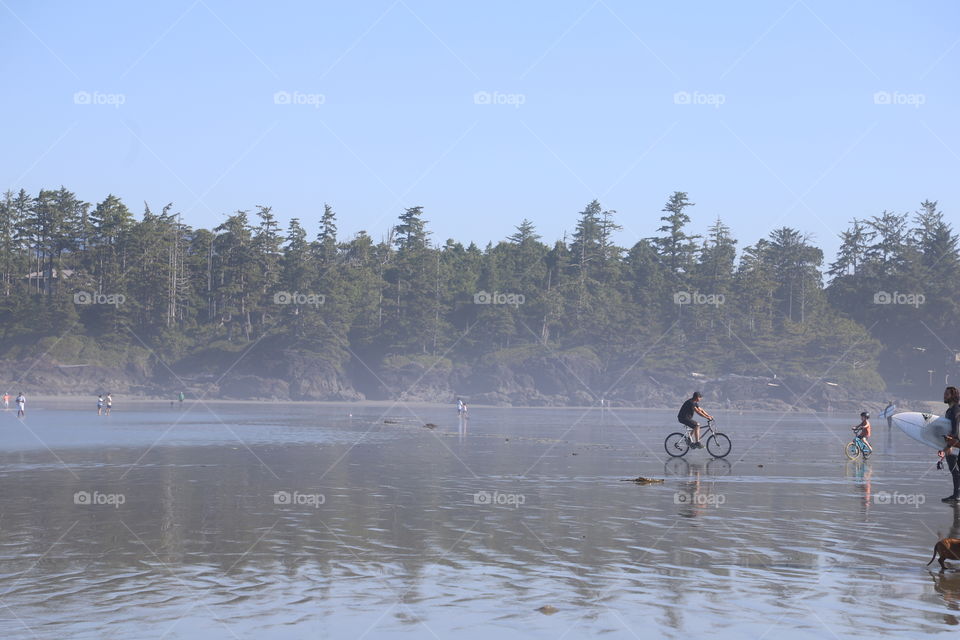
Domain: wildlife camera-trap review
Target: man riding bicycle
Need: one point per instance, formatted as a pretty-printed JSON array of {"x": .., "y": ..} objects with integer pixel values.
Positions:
[{"x": 685, "y": 416}]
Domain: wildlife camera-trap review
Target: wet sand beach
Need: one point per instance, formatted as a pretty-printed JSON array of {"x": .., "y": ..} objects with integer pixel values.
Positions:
[{"x": 294, "y": 521}]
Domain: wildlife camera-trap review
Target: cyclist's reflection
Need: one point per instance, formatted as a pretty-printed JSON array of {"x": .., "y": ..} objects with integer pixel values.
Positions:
[
  {"x": 697, "y": 494},
  {"x": 862, "y": 472}
]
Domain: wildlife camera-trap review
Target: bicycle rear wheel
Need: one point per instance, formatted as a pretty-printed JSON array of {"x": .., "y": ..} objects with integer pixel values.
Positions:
[
  {"x": 718, "y": 445},
  {"x": 852, "y": 450},
  {"x": 676, "y": 444}
]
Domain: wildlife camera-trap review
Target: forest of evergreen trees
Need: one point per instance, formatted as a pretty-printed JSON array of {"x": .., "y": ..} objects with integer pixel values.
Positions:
[{"x": 882, "y": 315}]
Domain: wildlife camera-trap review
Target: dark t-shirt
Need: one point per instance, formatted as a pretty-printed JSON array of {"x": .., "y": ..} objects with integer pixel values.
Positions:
[
  {"x": 687, "y": 410},
  {"x": 953, "y": 415}
]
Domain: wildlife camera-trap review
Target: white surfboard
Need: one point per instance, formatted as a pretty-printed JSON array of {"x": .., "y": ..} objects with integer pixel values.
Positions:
[{"x": 923, "y": 427}]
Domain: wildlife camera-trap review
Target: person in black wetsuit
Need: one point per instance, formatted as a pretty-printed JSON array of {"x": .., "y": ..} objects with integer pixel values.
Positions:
[
  {"x": 951, "y": 396},
  {"x": 685, "y": 416}
]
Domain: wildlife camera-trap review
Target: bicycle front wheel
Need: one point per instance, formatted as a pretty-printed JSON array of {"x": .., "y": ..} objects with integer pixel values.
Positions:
[
  {"x": 852, "y": 450},
  {"x": 676, "y": 444},
  {"x": 718, "y": 445}
]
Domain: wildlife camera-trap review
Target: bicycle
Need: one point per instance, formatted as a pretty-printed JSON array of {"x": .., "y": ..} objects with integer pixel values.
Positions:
[
  {"x": 857, "y": 447},
  {"x": 718, "y": 444}
]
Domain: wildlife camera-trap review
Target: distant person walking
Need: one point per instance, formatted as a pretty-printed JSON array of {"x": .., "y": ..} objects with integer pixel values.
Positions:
[
  {"x": 460, "y": 407},
  {"x": 888, "y": 412},
  {"x": 6, "y": 401},
  {"x": 21, "y": 405},
  {"x": 109, "y": 403},
  {"x": 951, "y": 450},
  {"x": 100, "y": 404},
  {"x": 181, "y": 397}
]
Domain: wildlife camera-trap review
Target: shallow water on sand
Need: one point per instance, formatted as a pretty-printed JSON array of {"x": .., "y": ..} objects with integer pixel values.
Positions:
[{"x": 296, "y": 521}]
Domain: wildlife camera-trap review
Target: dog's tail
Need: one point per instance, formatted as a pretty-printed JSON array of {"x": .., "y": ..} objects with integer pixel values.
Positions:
[{"x": 934, "y": 554}]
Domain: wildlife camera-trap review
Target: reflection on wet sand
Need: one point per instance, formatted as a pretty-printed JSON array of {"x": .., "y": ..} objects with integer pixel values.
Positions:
[
  {"x": 862, "y": 472},
  {"x": 338, "y": 528}
]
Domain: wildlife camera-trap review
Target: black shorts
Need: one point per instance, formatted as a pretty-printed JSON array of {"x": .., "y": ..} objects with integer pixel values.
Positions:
[{"x": 690, "y": 422}]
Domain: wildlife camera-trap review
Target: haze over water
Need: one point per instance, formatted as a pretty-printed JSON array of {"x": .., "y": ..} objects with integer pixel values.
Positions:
[{"x": 293, "y": 521}]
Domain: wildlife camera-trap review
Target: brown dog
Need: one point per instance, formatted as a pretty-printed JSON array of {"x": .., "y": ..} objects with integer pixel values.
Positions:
[{"x": 948, "y": 548}]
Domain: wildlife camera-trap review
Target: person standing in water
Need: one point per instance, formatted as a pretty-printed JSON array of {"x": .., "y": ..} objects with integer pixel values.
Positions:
[
  {"x": 21, "y": 405},
  {"x": 888, "y": 412},
  {"x": 951, "y": 450},
  {"x": 109, "y": 403},
  {"x": 100, "y": 404}
]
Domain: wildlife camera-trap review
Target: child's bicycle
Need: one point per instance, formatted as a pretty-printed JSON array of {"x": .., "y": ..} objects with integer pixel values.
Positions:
[
  {"x": 857, "y": 447},
  {"x": 678, "y": 444}
]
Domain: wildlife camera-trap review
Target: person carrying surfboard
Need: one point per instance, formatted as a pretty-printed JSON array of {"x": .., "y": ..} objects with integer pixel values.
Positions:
[
  {"x": 685, "y": 416},
  {"x": 888, "y": 412},
  {"x": 951, "y": 450}
]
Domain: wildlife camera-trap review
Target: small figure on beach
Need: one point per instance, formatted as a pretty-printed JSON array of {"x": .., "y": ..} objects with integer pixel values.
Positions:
[
  {"x": 109, "y": 402},
  {"x": 862, "y": 430},
  {"x": 6, "y": 401},
  {"x": 21, "y": 405},
  {"x": 951, "y": 449},
  {"x": 100, "y": 404},
  {"x": 461, "y": 408},
  {"x": 888, "y": 412},
  {"x": 181, "y": 397}
]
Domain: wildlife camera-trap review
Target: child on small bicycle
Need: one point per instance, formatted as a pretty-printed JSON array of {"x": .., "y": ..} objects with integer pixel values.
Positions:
[{"x": 862, "y": 430}]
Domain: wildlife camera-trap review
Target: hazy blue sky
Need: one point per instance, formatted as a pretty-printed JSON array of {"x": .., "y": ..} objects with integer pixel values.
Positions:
[{"x": 488, "y": 112}]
